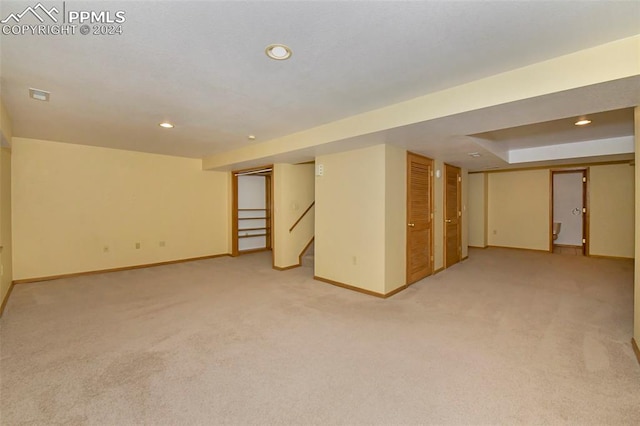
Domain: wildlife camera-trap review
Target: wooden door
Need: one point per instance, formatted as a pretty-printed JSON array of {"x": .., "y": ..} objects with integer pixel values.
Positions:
[
  {"x": 419, "y": 217},
  {"x": 452, "y": 215}
]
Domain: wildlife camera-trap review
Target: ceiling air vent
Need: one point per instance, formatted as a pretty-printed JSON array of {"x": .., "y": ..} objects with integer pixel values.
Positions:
[{"x": 39, "y": 95}]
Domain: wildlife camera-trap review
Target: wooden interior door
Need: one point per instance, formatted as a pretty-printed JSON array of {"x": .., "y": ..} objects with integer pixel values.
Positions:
[
  {"x": 419, "y": 217},
  {"x": 452, "y": 215}
]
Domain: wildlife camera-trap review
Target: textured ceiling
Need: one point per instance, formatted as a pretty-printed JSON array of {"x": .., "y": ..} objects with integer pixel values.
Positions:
[{"x": 202, "y": 66}]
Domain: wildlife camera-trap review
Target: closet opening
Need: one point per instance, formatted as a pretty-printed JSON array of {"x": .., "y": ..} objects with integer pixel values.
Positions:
[{"x": 252, "y": 218}]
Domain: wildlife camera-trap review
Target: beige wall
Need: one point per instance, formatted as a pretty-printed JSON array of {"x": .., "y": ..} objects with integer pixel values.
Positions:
[
  {"x": 80, "y": 208},
  {"x": 350, "y": 218},
  {"x": 636, "y": 304},
  {"x": 477, "y": 209},
  {"x": 6, "y": 128},
  {"x": 612, "y": 215},
  {"x": 294, "y": 191},
  {"x": 395, "y": 218},
  {"x": 518, "y": 209},
  {"x": 6, "y": 274},
  {"x": 361, "y": 218},
  {"x": 6, "y": 134}
]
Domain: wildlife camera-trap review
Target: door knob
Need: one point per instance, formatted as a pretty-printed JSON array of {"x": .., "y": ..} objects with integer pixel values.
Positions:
[
  {"x": 448, "y": 220},
  {"x": 412, "y": 225}
]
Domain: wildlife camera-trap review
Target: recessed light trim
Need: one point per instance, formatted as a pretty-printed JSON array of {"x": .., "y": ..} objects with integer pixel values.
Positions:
[
  {"x": 474, "y": 154},
  {"x": 278, "y": 52},
  {"x": 582, "y": 122},
  {"x": 251, "y": 137},
  {"x": 166, "y": 125},
  {"x": 39, "y": 95}
]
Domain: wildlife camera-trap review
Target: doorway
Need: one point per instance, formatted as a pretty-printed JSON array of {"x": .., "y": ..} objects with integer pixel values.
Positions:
[
  {"x": 452, "y": 215},
  {"x": 252, "y": 219},
  {"x": 569, "y": 220},
  {"x": 419, "y": 217}
]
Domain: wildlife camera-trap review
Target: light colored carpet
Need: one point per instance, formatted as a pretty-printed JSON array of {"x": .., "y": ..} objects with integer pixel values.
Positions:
[{"x": 506, "y": 337}]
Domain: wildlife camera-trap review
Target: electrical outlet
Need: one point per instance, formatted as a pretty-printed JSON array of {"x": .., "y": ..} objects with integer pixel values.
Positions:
[
  {"x": 137, "y": 245},
  {"x": 162, "y": 244},
  {"x": 354, "y": 260}
]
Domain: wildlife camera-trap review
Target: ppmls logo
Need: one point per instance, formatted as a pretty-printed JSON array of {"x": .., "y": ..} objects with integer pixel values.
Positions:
[
  {"x": 40, "y": 20},
  {"x": 16, "y": 17}
]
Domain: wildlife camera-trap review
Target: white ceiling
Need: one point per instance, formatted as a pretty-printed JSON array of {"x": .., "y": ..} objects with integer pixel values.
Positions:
[{"x": 201, "y": 65}]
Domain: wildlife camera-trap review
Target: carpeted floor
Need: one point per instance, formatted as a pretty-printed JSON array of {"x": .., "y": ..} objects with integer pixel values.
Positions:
[{"x": 506, "y": 337}]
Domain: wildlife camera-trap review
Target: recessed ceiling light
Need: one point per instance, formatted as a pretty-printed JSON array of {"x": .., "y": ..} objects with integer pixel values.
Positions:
[
  {"x": 39, "y": 95},
  {"x": 474, "y": 154},
  {"x": 582, "y": 122},
  {"x": 251, "y": 137},
  {"x": 166, "y": 125},
  {"x": 279, "y": 52}
]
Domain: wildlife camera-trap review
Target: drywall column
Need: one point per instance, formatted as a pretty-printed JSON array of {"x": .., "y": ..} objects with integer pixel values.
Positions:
[
  {"x": 477, "y": 210},
  {"x": 293, "y": 193},
  {"x": 6, "y": 274},
  {"x": 350, "y": 219},
  {"x": 636, "y": 304},
  {"x": 395, "y": 218},
  {"x": 361, "y": 219},
  {"x": 611, "y": 191}
]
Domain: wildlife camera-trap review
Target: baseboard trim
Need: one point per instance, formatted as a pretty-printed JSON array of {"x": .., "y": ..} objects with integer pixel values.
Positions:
[
  {"x": 567, "y": 246},
  {"x": 348, "y": 287},
  {"x": 6, "y": 298},
  {"x": 521, "y": 248},
  {"x": 437, "y": 271},
  {"x": 636, "y": 349},
  {"x": 464, "y": 258},
  {"x": 599, "y": 256},
  {"x": 396, "y": 291},
  {"x": 124, "y": 268},
  {"x": 250, "y": 251},
  {"x": 479, "y": 247},
  {"x": 286, "y": 268},
  {"x": 361, "y": 290}
]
